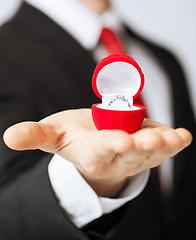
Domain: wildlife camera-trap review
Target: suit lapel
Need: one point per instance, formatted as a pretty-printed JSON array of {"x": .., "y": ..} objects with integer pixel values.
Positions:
[
  {"x": 66, "y": 55},
  {"x": 183, "y": 118}
]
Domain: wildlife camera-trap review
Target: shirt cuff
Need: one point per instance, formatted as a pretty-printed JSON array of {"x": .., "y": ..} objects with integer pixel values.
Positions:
[{"x": 79, "y": 200}]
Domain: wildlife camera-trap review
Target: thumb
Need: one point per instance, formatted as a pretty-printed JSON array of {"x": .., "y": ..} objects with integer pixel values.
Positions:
[{"x": 31, "y": 135}]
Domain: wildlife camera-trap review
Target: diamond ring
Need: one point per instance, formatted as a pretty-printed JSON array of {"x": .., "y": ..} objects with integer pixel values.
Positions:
[{"x": 119, "y": 98}]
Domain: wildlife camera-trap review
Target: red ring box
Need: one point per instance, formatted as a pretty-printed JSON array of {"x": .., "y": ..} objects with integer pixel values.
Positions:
[{"x": 117, "y": 80}]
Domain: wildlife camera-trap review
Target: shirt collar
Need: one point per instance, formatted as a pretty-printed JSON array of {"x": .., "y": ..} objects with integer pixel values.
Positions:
[{"x": 82, "y": 23}]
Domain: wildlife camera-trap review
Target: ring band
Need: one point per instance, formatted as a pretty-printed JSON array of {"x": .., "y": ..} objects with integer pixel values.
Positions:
[{"x": 120, "y": 98}]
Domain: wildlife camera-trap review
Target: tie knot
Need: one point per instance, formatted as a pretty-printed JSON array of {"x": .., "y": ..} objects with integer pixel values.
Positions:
[{"x": 111, "y": 42}]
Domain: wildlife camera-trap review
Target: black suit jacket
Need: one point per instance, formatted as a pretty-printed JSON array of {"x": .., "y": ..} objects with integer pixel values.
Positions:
[{"x": 43, "y": 70}]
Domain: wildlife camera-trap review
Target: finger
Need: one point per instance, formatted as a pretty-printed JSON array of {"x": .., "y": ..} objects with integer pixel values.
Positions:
[
  {"x": 115, "y": 141},
  {"x": 147, "y": 140},
  {"x": 102, "y": 147},
  {"x": 174, "y": 140},
  {"x": 105, "y": 144},
  {"x": 185, "y": 135},
  {"x": 30, "y": 135},
  {"x": 146, "y": 143}
]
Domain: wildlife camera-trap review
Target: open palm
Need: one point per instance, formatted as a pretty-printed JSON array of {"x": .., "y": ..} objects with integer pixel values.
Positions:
[{"x": 111, "y": 153}]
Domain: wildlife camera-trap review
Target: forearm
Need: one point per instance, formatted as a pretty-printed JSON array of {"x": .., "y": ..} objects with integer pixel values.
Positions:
[{"x": 79, "y": 200}]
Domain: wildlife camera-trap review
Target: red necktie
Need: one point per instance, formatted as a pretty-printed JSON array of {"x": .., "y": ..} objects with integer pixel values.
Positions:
[
  {"x": 114, "y": 46},
  {"x": 111, "y": 42}
]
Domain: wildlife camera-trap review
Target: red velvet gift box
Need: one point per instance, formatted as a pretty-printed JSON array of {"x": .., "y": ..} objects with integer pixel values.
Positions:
[{"x": 117, "y": 80}]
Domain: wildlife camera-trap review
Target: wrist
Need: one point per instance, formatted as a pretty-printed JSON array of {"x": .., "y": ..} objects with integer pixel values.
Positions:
[{"x": 103, "y": 185}]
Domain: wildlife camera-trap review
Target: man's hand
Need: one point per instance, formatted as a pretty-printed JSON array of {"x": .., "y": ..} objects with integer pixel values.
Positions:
[{"x": 104, "y": 158}]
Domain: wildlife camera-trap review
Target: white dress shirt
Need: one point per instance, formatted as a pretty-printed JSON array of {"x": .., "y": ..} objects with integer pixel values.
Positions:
[{"x": 78, "y": 199}]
